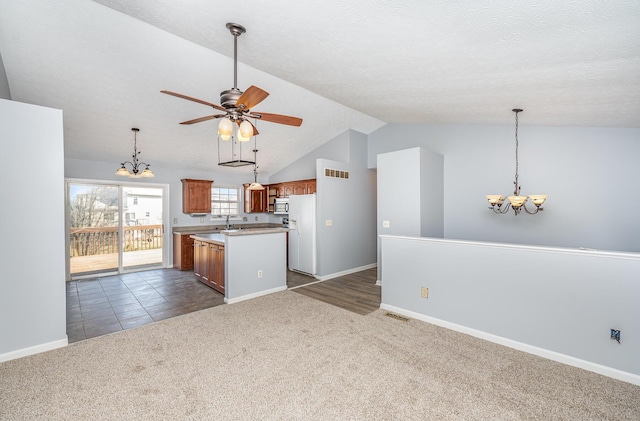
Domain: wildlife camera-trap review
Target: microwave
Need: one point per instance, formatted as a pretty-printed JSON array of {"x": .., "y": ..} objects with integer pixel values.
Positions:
[{"x": 281, "y": 206}]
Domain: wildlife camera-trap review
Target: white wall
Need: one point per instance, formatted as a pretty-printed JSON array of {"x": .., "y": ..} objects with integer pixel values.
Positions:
[
  {"x": 5, "y": 92},
  {"x": 410, "y": 194},
  {"x": 557, "y": 303},
  {"x": 245, "y": 255},
  {"x": 590, "y": 174},
  {"x": 304, "y": 168},
  {"x": 32, "y": 263},
  {"x": 350, "y": 243}
]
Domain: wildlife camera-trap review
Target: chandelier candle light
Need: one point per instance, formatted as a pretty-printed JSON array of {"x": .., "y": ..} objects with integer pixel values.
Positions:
[
  {"x": 516, "y": 202},
  {"x": 135, "y": 164}
]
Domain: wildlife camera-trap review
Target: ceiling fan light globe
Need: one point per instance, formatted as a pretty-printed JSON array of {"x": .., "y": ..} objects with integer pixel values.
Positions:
[
  {"x": 246, "y": 129},
  {"x": 242, "y": 138},
  {"x": 225, "y": 128}
]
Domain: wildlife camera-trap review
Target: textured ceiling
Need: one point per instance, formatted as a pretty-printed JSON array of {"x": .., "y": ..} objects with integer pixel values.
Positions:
[{"x": 336, "y": 64}]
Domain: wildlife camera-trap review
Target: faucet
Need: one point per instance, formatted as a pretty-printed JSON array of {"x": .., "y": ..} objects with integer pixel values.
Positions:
[{"x": 228, "y": 225}]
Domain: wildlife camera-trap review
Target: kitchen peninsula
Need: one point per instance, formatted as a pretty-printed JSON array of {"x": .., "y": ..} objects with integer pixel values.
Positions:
[{"x": 242, "y": 263}]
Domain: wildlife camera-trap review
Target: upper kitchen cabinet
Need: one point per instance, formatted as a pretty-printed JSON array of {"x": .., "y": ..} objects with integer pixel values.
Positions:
[
  {"x": 196, "y": 196},
  {"x": 295, "y": 187},
  {"x": 255, "y": 200}
]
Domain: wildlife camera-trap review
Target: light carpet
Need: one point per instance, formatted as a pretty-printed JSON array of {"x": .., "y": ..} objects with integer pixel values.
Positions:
[{"x": 289, "y": 357}]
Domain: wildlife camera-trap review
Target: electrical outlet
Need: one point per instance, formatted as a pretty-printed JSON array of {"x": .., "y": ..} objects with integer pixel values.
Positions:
[
  {"x": 385, "y": 224},
  {"x": 424, "y": 293},
  {"x": 201, "y": 220},
  {"x": 256, "y": 218},
  {"x": 259, "y": 274}
]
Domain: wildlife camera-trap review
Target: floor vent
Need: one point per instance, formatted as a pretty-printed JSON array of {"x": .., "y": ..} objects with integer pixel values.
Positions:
[{"x": 397, "y": 317}]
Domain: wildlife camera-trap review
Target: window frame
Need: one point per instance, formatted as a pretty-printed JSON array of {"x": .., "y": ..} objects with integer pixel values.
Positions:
[{"x": 219, "y": 193}]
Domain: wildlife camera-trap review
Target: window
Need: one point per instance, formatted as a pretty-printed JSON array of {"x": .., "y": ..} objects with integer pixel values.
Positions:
[{"x": 224, "y": 201}]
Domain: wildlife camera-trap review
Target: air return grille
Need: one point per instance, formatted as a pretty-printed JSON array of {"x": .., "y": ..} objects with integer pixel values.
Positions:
[{"x": 328, "y": 172}]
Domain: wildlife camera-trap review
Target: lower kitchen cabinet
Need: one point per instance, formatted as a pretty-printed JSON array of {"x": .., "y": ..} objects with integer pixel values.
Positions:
[
  {"x": 208, "y": 264},
  {"x": 182, "y": 252}
]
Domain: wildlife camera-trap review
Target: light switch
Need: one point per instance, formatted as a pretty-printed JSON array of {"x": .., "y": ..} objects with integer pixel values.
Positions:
[
  {"x": 175, "y": 221},
  {"x": 385, "y": 224},
  {"x": 328, "y": 223}
]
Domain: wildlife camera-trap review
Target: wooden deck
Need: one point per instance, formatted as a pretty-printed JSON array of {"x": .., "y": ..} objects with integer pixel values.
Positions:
[{"x": 106, "y": 262}]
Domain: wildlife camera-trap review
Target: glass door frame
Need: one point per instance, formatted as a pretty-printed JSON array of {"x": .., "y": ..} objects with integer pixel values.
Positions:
[{"x": 166, "y": 218}]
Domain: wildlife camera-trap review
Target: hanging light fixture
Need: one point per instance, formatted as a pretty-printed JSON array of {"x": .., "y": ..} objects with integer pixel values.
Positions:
[
  {"x": 255, "y": 185},
  {"x": 516, "y": 202},
  {"x": 135, "y": 164},
  {"x": 243, "y": 133}
]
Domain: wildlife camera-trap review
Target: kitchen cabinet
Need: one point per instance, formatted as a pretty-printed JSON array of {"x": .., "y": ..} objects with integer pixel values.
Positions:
[
  {"x": 255, "y": 200},
  {"x": 272, "y": 193},
  {"x": 295, "y": 187},
  {"x": 182, "y": 252},
  {"x": 216, "y": 267},
  {"x": 208, "y": 264},
  {"x": 196, "y": 196},
  {"x": 200, "y": 254}
]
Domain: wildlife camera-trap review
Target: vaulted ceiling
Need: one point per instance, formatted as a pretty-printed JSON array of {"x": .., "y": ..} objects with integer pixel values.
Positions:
[{"x": 335, "y": 64}]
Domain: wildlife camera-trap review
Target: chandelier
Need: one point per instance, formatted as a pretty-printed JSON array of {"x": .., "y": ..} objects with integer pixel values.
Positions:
[
  {"x": 135, "y": 164},
  {"x": 516, "y": 202},
  {"x": 245, "y": 130}
]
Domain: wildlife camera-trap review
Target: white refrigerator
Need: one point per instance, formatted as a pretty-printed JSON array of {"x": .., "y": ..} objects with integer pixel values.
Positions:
[{"x": 302, "y": 233}]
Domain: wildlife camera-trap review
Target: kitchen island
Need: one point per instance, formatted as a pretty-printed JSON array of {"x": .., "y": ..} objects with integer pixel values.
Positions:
[{"x": 243, "y": 263}]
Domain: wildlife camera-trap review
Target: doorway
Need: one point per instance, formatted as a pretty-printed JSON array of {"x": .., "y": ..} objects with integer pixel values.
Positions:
[{"x": 114, "y": 228}]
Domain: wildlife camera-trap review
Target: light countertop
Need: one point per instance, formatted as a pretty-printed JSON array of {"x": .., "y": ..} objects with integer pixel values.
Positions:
[{"x": 218, "y": 238}]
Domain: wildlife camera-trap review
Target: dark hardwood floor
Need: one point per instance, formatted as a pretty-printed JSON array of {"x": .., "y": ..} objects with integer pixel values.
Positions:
[
  {"x": 355, "y": 292},
  {"x": 104, "y": 305}
]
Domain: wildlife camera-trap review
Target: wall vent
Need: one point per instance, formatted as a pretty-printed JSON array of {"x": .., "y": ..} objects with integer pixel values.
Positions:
[{"x": 328, "y": 172}]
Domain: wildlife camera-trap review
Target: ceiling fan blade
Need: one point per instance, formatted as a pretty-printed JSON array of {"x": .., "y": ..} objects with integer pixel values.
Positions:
[
  {"x": 189, "y": 98},
  {"x": 201, "y": 119},
  {"x": 278, "y": 118},
  {"x": 251, "y": 97}
]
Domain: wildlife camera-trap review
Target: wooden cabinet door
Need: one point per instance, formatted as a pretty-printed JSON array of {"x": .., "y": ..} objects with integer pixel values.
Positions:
[
  {"x": 255, "y": 200},
  {"x": 197, "y": 258},
  {"x": 300, "y": 188},
  {"x": 218, "y": 264},
  {"x": 311, "y": 186},
  {"x": 196, "y": 196},
  {"x": 184, "y": 247},
  {"x": 288, "y": 189}
]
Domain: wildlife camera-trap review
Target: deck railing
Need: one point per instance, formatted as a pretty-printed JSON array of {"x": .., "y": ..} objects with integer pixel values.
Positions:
[{"x": 104, "y": 240}]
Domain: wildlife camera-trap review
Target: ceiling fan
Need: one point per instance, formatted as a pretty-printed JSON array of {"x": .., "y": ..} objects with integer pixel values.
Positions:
[{"x": 235, "y": 104}]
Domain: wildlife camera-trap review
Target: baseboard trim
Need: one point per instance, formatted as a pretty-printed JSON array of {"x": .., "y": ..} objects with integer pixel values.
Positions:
[
  {"x": 254, "y": 295},
  {"x": 541, "y": 352},
  {"x": 19, "y": 353},
  {"x": 346, "y": 272}
]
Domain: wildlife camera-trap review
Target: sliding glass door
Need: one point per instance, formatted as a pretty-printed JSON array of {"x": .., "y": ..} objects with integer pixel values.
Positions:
[
  {"x": 142, "y": 227},
  {"x": 114, "y": 228}
]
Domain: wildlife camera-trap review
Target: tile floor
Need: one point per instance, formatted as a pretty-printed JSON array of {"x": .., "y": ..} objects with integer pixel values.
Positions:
[{"x": 99, "y": 306}]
